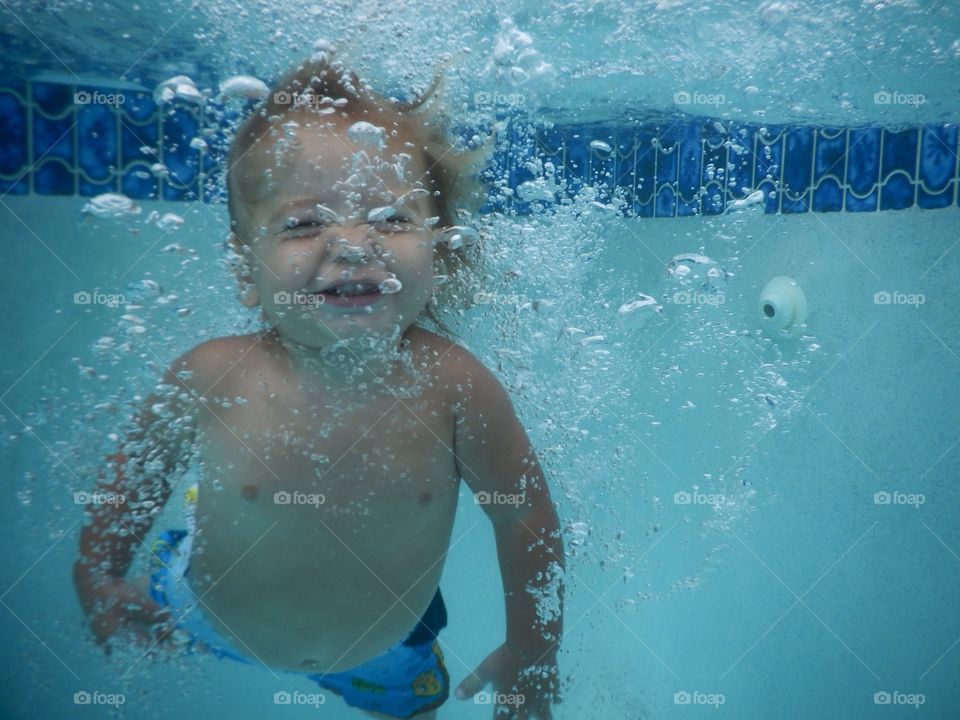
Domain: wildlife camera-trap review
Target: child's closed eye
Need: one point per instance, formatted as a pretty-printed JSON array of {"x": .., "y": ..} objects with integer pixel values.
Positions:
[
  {"x": 394, "y": 224},
  {"x": 303, "y": 226},
  {"x": 298, "y": 227}
]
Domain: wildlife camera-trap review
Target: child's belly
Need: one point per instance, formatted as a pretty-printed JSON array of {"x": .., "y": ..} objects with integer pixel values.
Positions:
[{"x": 331, "y": 574}]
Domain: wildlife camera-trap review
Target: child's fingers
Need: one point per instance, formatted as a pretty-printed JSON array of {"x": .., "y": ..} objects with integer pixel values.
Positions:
[
  {"x": 475, "y": 681},
  {"x": 150, "y": 631},
  {"x": 130, "y": 634}
]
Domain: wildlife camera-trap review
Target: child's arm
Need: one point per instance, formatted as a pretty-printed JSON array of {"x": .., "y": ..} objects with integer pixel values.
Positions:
[
  {"x": 496, "y": 460},
  {"x": 157, "y": 449}
]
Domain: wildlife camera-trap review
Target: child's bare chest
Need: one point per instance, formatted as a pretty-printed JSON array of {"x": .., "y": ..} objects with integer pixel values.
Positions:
[{"x": 277, "y": 439}]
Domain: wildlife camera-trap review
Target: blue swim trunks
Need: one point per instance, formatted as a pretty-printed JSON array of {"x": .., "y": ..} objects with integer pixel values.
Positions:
[{"x": 406, "y": 680}]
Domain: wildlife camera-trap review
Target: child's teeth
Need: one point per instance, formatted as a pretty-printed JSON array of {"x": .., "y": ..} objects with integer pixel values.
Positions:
[{"x": 356, "y": 289}]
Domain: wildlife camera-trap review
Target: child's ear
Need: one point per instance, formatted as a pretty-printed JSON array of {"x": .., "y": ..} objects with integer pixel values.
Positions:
[{"x": 249, "y": 296}]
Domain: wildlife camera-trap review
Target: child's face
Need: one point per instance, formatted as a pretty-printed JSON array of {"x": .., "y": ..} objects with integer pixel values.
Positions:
[{"x": 318, "y": 214}]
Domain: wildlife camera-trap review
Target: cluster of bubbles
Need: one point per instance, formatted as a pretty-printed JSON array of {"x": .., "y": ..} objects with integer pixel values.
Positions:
[
  {"x": 516, "y": 59},
  {"x": 613, "y": 376}
]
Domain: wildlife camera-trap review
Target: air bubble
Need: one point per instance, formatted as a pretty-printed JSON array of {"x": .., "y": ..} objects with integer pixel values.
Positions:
[
  {"x": 111, "y": 206},
  {"x": 391, "y": 286},
  {"x": 366, "y": 134},
  {"x": 601, "y": 147}
]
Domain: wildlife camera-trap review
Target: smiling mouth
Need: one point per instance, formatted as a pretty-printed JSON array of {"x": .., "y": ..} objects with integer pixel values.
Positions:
[
  {"x": 352, "y": 289},
  {"x": 351, "y": 294}
]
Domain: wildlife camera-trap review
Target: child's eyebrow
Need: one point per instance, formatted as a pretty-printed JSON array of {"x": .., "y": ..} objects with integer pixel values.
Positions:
[
  {"x": 413, "y": 201},
  {"x": 299, "y": 205}
]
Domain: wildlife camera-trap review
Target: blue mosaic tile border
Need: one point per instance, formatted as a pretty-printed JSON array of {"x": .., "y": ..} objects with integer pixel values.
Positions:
[
  {"x": 698, "y": 166},
  {"x": 60, "y": 139}
]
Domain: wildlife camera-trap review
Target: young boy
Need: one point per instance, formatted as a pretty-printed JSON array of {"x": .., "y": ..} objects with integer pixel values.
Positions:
[{"x": 331, "y": 445}]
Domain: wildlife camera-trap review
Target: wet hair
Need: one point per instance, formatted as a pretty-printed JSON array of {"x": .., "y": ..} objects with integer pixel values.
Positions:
[{"x": 322, "y": 84}]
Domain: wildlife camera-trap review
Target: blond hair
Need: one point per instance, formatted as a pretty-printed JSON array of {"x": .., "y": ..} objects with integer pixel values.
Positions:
[{"x": 453, "y": 178}]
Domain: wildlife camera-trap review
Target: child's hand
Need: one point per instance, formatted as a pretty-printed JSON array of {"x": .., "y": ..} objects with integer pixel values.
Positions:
[
  {"x": 117, "y": 607},
  {"x": 521, "y": 691}
]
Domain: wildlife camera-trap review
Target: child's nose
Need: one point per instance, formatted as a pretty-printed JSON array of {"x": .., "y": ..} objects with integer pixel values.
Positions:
[
  {"x": 352, "y": 247},
  {"x": 350, "y": 253}
]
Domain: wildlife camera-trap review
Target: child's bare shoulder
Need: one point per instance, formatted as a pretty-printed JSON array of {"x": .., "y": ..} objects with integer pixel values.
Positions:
[
  {"x": 458, "y": 370},
  {"x": 205, "y": 365}
]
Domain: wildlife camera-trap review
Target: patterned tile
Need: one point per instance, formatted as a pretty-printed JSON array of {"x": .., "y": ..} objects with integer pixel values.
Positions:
[
  {"x": 797, "y": 169},
  {"x": 741, "y": 144},
  {"x": 768, "y": 165},
  {"x": 938, "y": 166},
  {"x": 863, "y": 169},
  {"x": 829, "y": 169},
  {"x": 97, "y": 149},
  {"x": 63, "y": 139},
  {"x": 898, "y": 169},
  {"x": 14, "y": 138},
  {"x": 713, "y": 174},
  {"x": 181, "y": 126}
]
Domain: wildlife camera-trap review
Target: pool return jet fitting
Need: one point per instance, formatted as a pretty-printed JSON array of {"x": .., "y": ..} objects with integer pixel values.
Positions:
[{"x": 782, "y": 306}]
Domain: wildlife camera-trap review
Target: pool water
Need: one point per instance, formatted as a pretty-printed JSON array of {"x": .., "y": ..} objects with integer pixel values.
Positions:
[{"x": 758, "y": 525}]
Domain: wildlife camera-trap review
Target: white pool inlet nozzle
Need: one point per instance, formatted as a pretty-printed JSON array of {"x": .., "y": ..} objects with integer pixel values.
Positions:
[{"x": 783, "y": 306}]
